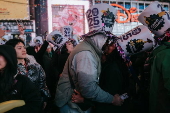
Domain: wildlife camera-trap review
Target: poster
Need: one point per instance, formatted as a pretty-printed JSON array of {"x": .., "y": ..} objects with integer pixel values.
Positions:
[
  {"x": 63, "y": 15},
  {"x": 14, "y": 9}
]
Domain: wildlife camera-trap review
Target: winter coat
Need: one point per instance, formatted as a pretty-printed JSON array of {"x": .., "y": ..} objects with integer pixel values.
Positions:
[
  {"x": 160, "y": 79},
  {"x": 36, "y": 74},
  {"x": 62, "y": 58},
  {"x": 22, "y": 87},
  {"x": 85, "y": 66},
  {"x": 114, "y": 80},
  {"x": 47, "y": 60},
  {"x": 50, "y": 73},
  {"x": 25, "y": 90}
]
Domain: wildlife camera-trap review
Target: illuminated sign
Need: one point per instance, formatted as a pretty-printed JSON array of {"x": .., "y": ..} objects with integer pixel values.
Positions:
[
  {"x": 12, "y": 26},
  {"x": 73, "y": 14},
  {"x": 63, "y": 15},
  {"x": 129, "y": 16},
  {"x": 14, "y": 9}
]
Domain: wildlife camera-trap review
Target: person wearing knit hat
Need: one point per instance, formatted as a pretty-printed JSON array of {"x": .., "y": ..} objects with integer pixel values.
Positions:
[
  {"x": 83, "y": 65},
  {"x": 158, "y": 21},
  {"x": 57, "y": 39},
  {"x": 37, "y": 41},
  {"x": 67, "y": 31}
]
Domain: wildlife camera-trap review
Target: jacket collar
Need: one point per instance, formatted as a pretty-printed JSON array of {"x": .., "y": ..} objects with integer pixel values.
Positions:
[{"x": 163, "y": 46}]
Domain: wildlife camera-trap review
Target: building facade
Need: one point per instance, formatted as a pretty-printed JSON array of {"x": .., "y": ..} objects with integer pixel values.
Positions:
[
  {"x": 15, "y": 13},
  {"x": 127, "y": 13}
]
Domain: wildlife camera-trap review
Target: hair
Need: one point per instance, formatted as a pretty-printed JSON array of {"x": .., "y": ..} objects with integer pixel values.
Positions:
[
  {"x": 14, "y": 42},
  {"x": 6, "y": 82},
  {"x": 64, "y": 49}
]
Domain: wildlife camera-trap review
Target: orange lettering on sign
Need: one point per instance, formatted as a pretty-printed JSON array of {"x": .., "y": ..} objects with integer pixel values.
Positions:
[
  {"x": 3, "y": 9},
  {"x": 134, "y": 18},
  {"x": 129, "y": 17}
]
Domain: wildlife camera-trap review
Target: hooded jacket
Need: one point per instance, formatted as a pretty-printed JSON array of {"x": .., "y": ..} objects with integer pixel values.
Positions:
[
  {"x": 87, "y": 69},
  {"x": 23, "y": 88},
  {"x": 10, "y": 55},
  {"x": 113, "y": 79},
  {"x": 160, "y": 79},
  {"x": 84, "y": 65}
]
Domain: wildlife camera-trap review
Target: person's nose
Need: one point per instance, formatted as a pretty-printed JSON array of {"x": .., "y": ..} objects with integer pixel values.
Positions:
[{"x": 24, "y": 49}]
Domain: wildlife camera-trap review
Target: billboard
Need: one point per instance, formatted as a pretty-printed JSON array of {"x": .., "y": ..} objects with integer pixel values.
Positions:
[
  {"x": 63, "y": 15},
  {"x": 14, "y": 9}
]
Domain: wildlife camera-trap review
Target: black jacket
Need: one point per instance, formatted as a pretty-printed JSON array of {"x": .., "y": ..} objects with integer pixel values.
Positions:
[
  {"x": 39, "y": 55},
  {"x": 22, "y": 88},
  {"x": 25, "y": 90},
  {"x": 114, "y": 80},
  {"x": 62, "y": 58}
]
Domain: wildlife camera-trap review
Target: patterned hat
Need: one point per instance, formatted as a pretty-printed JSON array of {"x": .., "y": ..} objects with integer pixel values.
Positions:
[
  {"x": 67, "y": 31},
  {"x": 155, "y": 18},
  {"x": 101, "y": 18},
  {"x": 4, "y": 39},
  {"x": 1, "y": 42},
  {"x": 57, "y": 39},
  {"x": 37, "y": 41},
  {"x": 135, "y": 41}
]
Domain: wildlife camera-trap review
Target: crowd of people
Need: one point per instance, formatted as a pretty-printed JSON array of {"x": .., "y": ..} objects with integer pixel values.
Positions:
[{"x": 59, "y": 74}]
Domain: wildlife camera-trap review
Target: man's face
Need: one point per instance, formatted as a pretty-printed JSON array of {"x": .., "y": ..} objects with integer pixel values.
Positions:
[{"x": 20, "y": 50}]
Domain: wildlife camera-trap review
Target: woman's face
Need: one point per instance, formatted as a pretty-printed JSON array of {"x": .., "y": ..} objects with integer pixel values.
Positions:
[
  {"x": 3, "y": 62},
  {"x": 20, "y": 50},
  {"x": 69, "y": 47}
]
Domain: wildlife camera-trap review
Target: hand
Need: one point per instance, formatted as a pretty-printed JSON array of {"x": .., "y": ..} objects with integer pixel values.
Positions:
[
  {"x": 117, "y": 100},
  {"x": 37, "y": 48},
  {"x": 77, "y": 97},
  {"x": 2, "y": 33},
  {"x": 51, "y": 44},
  {"x": 45, "y": 104},
  {"x": 21, "y": 29},
  {"x": 129, "y": 64}
]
